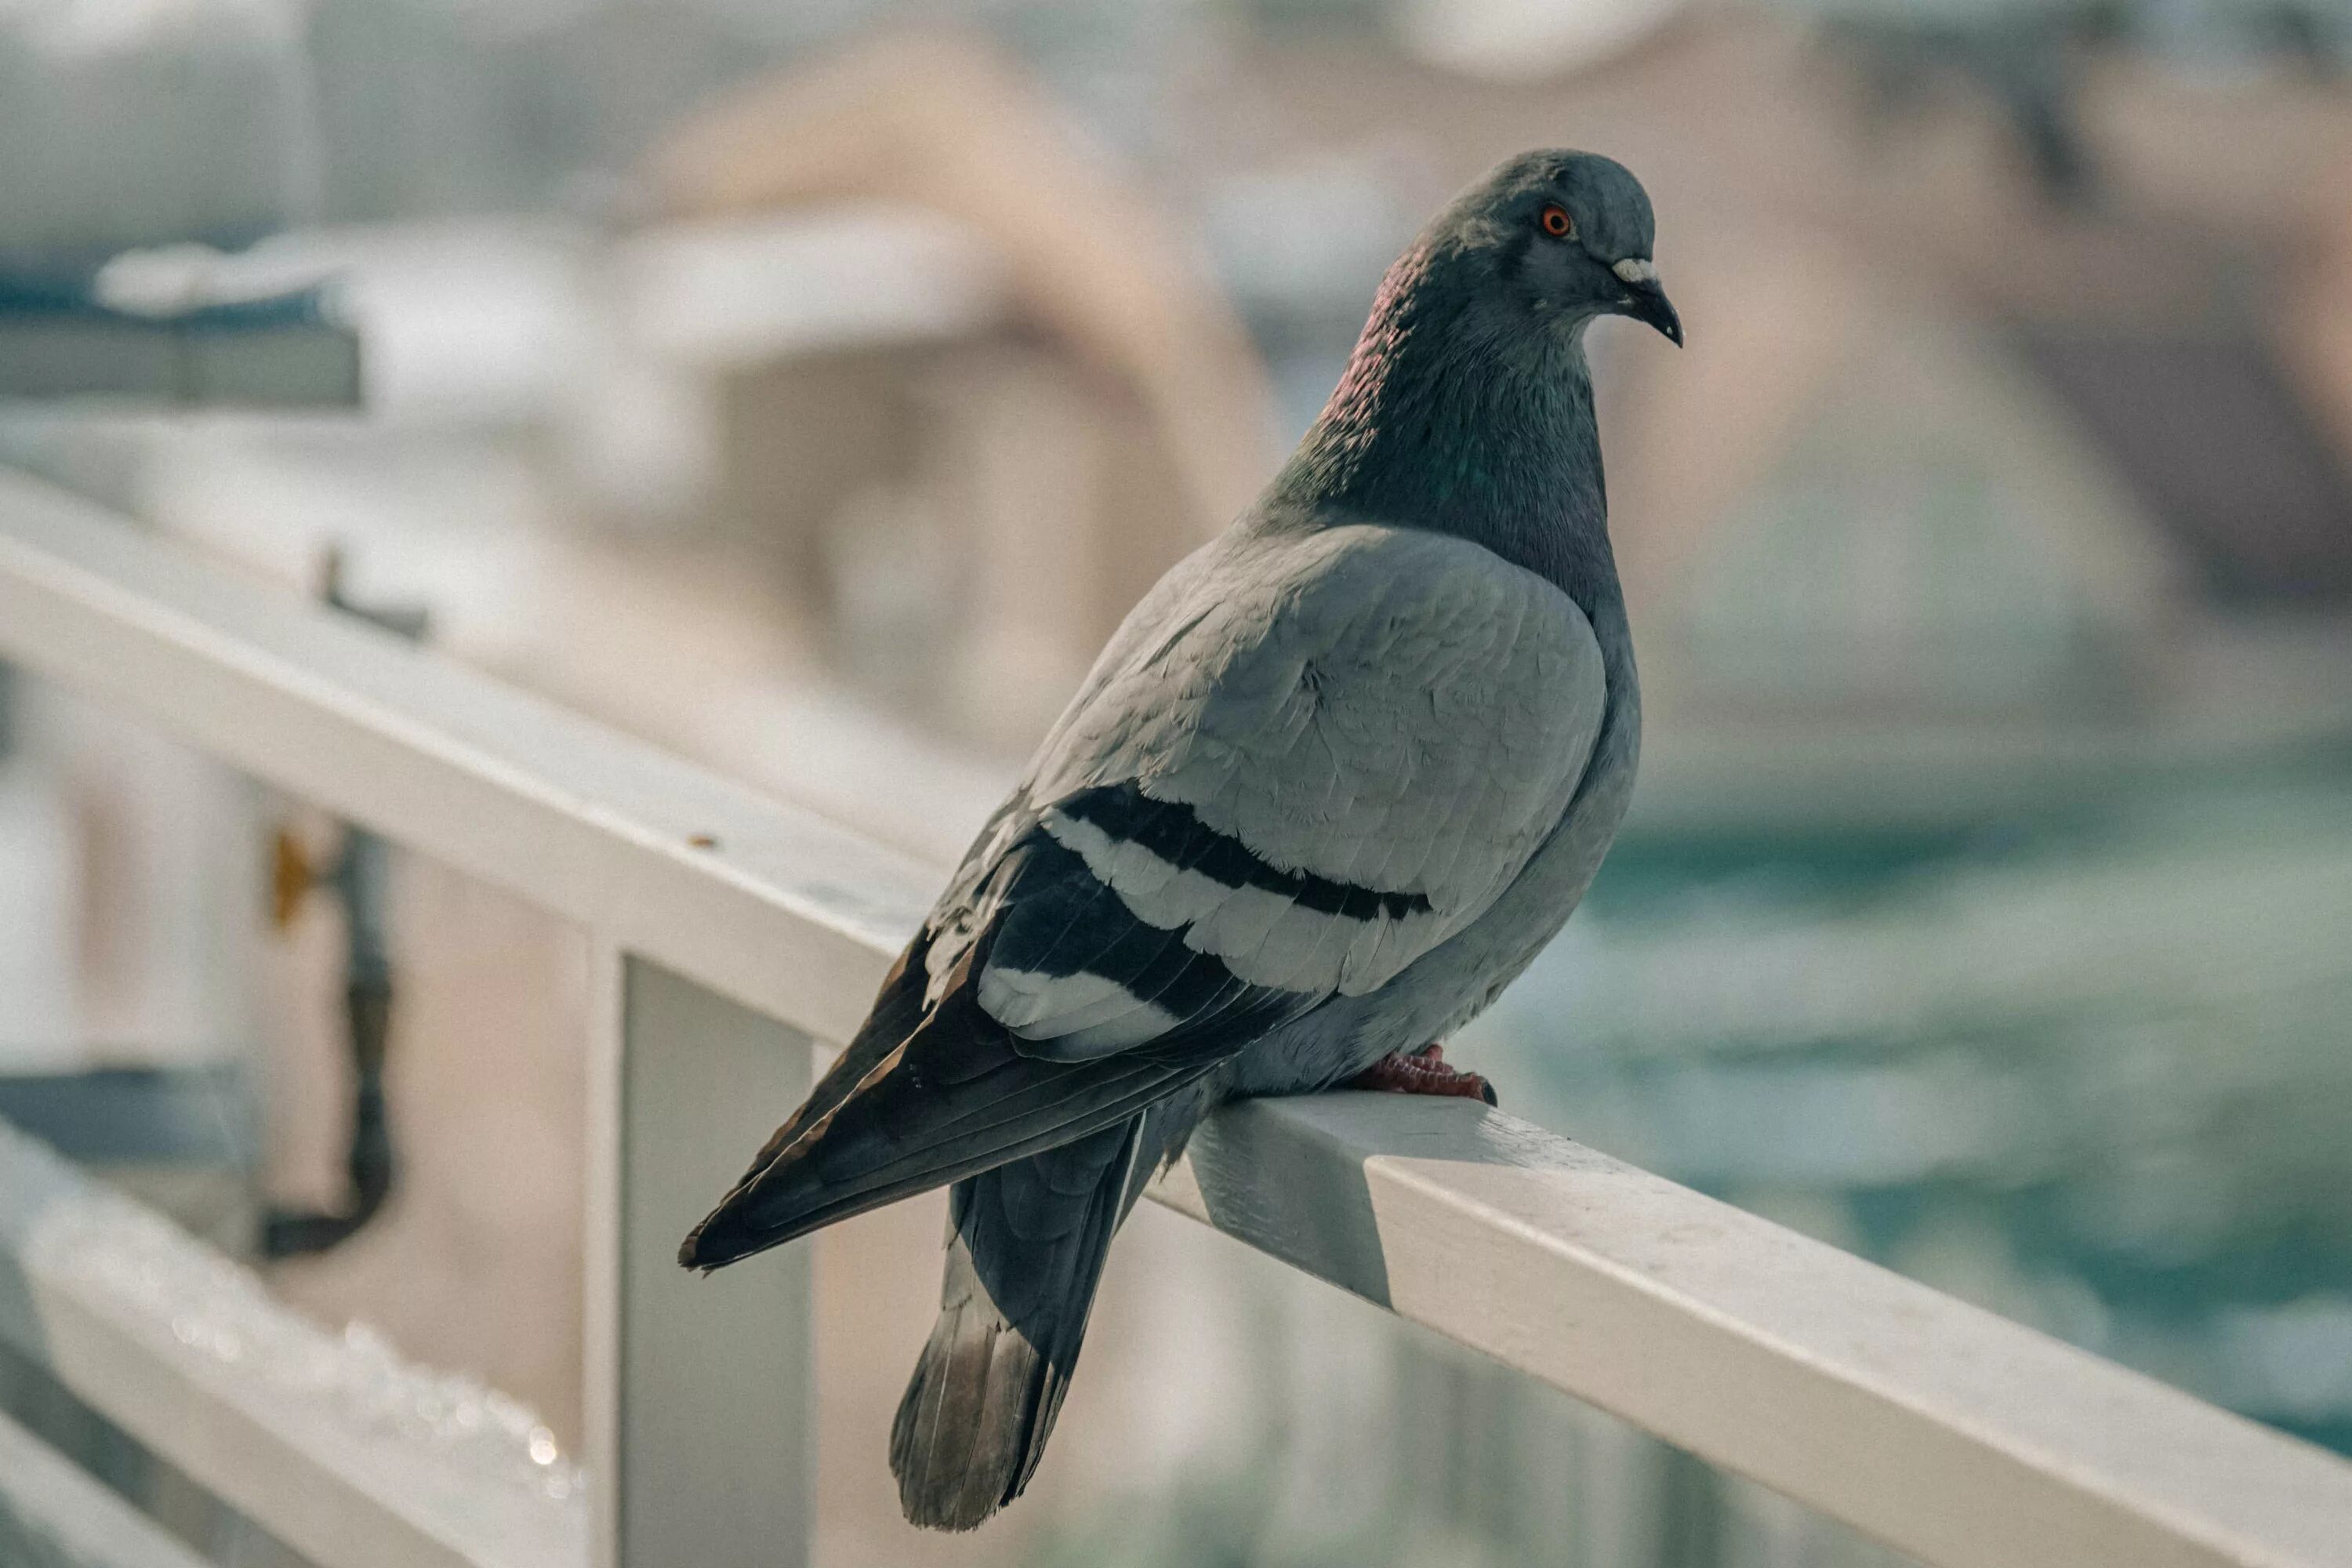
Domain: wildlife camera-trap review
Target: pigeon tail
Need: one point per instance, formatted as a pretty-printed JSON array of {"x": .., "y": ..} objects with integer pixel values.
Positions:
[
  {"x": 1025, "y": 1247},
  {"x": 926, "y": 1096}
]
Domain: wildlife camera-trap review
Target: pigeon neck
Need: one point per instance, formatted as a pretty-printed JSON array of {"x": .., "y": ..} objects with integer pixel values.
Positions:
[{"x": 1473, "y": 426}]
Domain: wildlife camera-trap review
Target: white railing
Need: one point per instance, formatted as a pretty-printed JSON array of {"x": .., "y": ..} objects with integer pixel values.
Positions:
[
  {"x": 732, "y": 932},
  {"x": 329, "y": 1445},
  {"x": 52, "y": 1515}
]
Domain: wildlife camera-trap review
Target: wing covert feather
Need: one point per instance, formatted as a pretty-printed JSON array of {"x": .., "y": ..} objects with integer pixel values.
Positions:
[
  {"x": 1398, "y": 712},
  {"x": 1306, "y": 760}
]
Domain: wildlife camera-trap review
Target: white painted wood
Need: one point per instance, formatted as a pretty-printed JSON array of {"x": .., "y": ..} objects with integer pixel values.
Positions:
[
  {"x": 329, "y": 1443},
  {"x": 54, "y": 1515},
  {"x": 1949, "y": 1433},
  {"x": 783, "y": 911},
  {"x": 1956, "y": 1435},
  {"x": 601, "y": 1249},
  {"x": 700, "y": 1390}
]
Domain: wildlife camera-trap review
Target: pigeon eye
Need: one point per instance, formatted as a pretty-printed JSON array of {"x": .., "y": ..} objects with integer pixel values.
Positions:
[{"x": 1557, "y": 223}]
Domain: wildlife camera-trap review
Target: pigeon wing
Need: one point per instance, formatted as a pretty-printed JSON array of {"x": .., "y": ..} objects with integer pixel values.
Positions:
[
  {"x": 1302, "y": 763},
  {"x": 1349, "y": 746}
]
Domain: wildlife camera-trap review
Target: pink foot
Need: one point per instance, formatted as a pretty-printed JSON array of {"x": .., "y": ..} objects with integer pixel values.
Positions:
[{"x": 1423, "y": 1072}]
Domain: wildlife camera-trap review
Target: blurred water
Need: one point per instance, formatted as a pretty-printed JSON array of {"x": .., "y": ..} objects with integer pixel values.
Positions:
[
  {"x": 2089, "y": 1072},
  {"x": 2092, "y": 1074}
]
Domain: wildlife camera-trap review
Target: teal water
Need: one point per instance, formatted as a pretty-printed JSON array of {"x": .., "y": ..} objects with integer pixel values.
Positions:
[
  {"x": 2090, "y": 1070},
  {"x": 2093, "y": 1073}
]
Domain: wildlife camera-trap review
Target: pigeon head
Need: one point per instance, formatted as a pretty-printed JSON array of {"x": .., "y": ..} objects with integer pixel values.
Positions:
[
  {"x": 1467, "y": 404},
  {"x": 1559, "y": 237}
]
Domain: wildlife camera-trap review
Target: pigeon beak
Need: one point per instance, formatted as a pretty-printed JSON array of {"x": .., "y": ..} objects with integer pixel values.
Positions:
[{"x": 1645, "y": 300}]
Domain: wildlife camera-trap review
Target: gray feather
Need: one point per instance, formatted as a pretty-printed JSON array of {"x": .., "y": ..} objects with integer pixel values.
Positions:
[
  {"x": 1025, "y": 1248},
  {"x": 1321, "y": 699}
]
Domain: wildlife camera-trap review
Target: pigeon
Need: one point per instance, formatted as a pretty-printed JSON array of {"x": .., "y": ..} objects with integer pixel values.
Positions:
[{"x": 1332, "y": 784}]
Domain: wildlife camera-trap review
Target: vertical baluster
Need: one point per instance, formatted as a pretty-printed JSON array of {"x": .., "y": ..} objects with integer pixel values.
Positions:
[{"x": 699, "y": 1390}]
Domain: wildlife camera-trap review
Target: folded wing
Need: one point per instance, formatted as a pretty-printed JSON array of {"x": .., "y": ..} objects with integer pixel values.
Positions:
[{"x": 1304, "y": 762}]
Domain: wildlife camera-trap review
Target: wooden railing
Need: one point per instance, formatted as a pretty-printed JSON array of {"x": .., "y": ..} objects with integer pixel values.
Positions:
[{"x": 734, "y": 933}]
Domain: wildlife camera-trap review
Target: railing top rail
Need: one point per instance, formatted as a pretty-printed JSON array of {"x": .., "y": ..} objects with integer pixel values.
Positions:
[
  {"x": 54, "y": 1514},
  {"x": 334, "y": 1445},
  {"x": 776, "y": 908},
  {"x": 1948, "y": 1432}
]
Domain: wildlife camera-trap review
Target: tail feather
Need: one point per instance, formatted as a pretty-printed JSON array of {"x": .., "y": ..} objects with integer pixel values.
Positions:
[
  {"x": 921, "y": 1098},
  {"x": 1025, "y": 1248}
]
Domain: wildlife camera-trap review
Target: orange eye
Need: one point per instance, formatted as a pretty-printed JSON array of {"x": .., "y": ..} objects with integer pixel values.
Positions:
[{"x": 1557, "y": 223}]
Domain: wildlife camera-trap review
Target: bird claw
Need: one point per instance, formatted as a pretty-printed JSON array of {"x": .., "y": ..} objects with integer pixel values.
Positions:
[{"x": 1423, "y": 1072}]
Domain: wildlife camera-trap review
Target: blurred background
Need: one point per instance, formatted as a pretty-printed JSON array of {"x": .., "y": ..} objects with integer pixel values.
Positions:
[{"x": 809, "y": 385}]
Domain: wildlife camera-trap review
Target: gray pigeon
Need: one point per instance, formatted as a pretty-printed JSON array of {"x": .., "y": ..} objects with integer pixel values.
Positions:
[{"x": 1340, "y": 776}]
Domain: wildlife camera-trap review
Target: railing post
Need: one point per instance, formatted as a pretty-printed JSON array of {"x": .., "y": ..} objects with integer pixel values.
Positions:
[{"x": 699, "y": 1446}]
